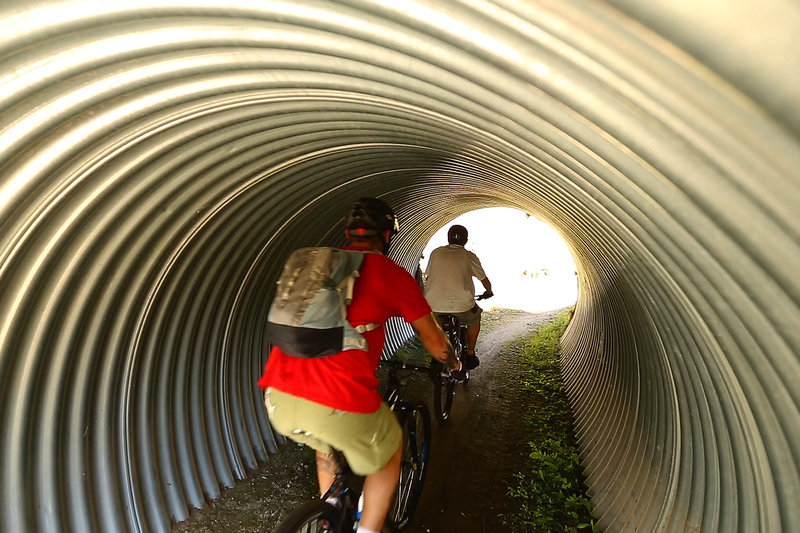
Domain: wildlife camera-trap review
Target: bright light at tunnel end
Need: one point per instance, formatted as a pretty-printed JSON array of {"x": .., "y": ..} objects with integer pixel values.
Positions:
[{"x": 527, "y": 261}]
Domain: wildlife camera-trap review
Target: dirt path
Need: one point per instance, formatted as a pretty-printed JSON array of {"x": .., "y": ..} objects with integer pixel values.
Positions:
[{"x": 474, "y": 456}]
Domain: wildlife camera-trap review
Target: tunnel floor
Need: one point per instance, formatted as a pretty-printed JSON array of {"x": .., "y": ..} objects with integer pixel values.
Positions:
[{"x": 474, "y": 456}]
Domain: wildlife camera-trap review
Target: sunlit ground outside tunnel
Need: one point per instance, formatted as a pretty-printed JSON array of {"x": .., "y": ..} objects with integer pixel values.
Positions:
[{"x": 527, "y": 261}]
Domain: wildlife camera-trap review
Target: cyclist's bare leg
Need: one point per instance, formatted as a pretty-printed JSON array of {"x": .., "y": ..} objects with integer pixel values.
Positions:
[
  {"x": 472, "y": 337},
  {"x": 378, "y": 491},
  {"x": 326, "y": 471}
]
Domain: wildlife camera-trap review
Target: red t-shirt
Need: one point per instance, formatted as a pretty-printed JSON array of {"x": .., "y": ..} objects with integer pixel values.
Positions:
[{"x": 347, "y": 380}]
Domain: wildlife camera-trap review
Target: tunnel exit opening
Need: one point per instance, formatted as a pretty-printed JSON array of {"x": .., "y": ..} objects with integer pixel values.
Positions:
[{"x": 527, "y": 261}]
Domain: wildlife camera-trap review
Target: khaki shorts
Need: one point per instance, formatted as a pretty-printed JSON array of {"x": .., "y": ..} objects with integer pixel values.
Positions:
[
  {"x": 471, "y": 317},
  {"x": 367, "y": 440}
]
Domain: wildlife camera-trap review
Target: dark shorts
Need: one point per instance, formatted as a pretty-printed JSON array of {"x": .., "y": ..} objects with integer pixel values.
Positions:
[{"x": 471, "y": 317}]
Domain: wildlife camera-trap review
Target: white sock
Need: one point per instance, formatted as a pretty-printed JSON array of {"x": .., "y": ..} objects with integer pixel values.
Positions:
[{"x": 362, "y": 529}]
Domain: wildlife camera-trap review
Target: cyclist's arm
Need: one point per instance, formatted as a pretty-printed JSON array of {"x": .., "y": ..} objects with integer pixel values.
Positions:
[
  {"x": 488, "y": 286},
  {"x": 435, "y": 341}
]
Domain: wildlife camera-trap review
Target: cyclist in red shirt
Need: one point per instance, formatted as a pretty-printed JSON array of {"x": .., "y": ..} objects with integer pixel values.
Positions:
[{"x": 333, "y": 402}]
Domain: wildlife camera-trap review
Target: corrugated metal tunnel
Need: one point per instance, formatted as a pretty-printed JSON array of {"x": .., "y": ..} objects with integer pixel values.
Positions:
[{"x": 158, "y": 160}]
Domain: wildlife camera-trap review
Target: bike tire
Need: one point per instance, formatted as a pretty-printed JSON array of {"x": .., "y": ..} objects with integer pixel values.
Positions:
[
  {"x": 443, "y": 390},
  {"x": 314, "y": 516},
  {"x": 462, "y": 339},
  {"x": 416, "y": 423}
]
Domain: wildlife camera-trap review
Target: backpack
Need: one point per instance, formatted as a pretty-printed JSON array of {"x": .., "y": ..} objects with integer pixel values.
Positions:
[{"x": 308, "y": 316}]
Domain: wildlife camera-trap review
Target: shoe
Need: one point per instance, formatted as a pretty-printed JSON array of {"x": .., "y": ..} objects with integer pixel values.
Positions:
[{"x": 471, "y": 361}]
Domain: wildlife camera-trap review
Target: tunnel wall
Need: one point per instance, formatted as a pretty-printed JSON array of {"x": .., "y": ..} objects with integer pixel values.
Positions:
[{"x": 158, "y": 161}]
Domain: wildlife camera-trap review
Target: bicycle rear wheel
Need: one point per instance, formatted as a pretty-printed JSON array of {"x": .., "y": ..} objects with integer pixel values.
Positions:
[
  {"x": 312, "y": 517},
  {"x": 462, "y": 339},
  {"x": 416, "y": 424},
  {"x": 443, "y": 390}
]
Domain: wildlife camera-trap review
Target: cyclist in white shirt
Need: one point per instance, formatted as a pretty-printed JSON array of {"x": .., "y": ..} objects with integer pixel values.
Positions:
[{"x": 449, "y": 288}]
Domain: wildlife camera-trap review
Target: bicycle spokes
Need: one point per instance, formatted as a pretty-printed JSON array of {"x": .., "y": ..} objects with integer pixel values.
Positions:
[{"x": 416, "y": 443}]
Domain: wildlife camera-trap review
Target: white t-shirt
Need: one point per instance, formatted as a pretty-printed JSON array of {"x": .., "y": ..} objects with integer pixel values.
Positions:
[{"x": 449, "y": 287}]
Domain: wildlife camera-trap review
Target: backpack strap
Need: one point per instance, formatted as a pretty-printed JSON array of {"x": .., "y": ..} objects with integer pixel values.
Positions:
[
  {"x": 345, "y": 289},
  {"x": 366, "y": 327}
]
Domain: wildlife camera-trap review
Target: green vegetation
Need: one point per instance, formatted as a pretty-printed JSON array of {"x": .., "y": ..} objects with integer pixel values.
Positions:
[{"x": 550, "y": 492}]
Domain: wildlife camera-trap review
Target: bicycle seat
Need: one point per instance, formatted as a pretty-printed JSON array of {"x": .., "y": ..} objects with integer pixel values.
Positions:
[{"x": 448, "y": 320}]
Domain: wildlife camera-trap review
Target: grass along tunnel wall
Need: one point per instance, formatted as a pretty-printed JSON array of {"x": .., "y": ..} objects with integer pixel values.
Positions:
[{"x": 549, "y": 494}]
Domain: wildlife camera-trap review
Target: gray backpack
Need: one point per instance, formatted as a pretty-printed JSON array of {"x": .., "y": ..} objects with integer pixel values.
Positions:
[{"x": 308, "y": 316}]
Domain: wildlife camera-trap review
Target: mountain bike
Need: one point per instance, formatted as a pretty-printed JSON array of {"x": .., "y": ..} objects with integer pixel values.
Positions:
[
  {"x": 444, "y": 381},
  {"x": 320, "y": 516}
]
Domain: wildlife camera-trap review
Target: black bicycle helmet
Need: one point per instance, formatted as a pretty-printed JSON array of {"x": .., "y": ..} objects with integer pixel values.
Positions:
[
  {"x": 372, "y": 217},
  {"x": 457, "y": 235}
]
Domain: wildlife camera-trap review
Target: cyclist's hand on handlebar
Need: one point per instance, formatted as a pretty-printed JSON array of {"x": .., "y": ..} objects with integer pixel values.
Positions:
[{"x": 451, "y": 361}]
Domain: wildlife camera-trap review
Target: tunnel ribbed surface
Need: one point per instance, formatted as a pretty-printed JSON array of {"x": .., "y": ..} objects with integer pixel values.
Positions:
[{"x": 158, "y": 161}]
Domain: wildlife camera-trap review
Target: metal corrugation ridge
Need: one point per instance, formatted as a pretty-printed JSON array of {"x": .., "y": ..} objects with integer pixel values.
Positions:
[{"x": 159, "y": 160}]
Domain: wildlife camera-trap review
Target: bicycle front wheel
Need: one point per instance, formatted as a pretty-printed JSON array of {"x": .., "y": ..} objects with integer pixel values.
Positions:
[
  {"x": 416, "y": 424},
  {"x": 312, "y": 517}
]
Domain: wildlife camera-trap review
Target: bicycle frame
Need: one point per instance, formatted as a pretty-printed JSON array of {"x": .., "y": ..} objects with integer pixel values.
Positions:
[
  {"x": 344, "y": 488},
  {"x": 456, "y": 331}
]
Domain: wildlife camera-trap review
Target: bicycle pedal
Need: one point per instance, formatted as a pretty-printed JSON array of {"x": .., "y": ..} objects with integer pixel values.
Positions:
[{"x": 458, "y": 375}]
